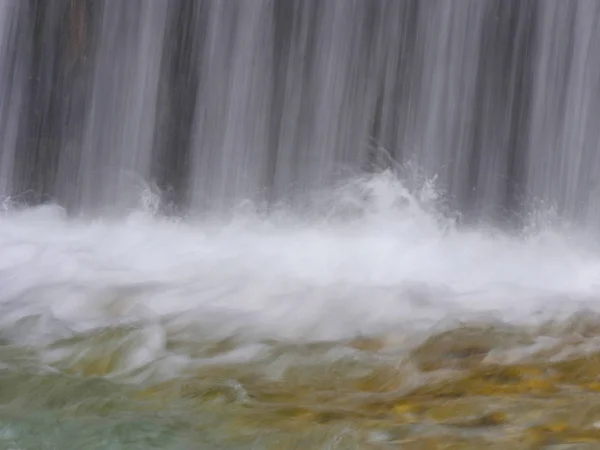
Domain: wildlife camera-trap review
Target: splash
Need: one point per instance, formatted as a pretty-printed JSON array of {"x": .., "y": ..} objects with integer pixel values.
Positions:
[
  {"x": 373, "y": 257},
  {"x": 370, "y": 287}
]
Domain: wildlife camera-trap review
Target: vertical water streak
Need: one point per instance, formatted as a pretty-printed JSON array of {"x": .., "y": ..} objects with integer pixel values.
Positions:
[
  {"x": 502, "y": 109},
  {"x": 230, "y": 143},
  {"x": 330, "y": 89},
  {"x": 40, "y": 59},
  {"x": 119, "y": 129},
  {"x": 449, "y": 40},
  {"x": 177, "y": 95},
  {"x": 564, "y": 161},
  {"x": 11, "y": 94}
]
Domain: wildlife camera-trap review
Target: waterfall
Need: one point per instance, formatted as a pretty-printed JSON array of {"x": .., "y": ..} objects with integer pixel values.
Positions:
[{"x": 215, "y": 101}]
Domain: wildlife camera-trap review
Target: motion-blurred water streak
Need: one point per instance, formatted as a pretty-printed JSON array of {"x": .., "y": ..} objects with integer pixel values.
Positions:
[{"x": 215, "y": 102}]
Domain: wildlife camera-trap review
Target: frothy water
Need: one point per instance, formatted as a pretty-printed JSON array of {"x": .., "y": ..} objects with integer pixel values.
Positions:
[
  {"x": 384, "y": 261},
  {"x": 203, "y": 242}
]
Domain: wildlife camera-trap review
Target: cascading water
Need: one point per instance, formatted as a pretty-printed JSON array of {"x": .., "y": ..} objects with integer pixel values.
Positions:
[
  {"x": 282, "y": 223},
  {"x": 218, "y": 102}
]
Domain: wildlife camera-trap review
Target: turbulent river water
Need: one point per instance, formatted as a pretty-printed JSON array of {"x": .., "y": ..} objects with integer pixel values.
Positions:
[
  {"x": 378, "y": 321},
  {"x": 299, "y": 224}
]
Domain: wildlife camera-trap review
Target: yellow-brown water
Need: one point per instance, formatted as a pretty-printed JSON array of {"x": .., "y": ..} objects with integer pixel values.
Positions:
[{"x": 461, "y": 389}]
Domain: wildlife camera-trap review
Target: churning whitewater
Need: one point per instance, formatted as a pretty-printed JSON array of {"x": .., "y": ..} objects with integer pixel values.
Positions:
[
  {"x": 383, "y": 261},
  {"x": 299, "y": 224}
]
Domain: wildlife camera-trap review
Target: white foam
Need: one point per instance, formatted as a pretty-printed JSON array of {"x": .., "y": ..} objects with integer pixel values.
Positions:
[{"x": 384, "y": 258}]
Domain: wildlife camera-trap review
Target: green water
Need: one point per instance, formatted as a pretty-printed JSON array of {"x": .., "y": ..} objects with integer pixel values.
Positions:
[{"x": 446, "y": 392}]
